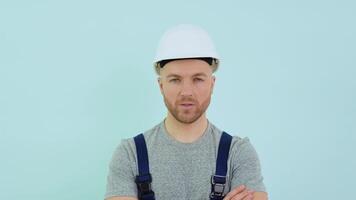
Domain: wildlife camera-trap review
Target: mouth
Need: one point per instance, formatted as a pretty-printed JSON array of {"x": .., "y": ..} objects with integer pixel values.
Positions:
[{"x": 186, "y": 105}]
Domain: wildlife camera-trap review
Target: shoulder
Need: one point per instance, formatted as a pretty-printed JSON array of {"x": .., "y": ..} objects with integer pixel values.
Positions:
[
  {"x": 241, "y": 147},
  {"x": 243, "y": 156},
  {"x": 237, "y": 142},
  {"x": 127, "y": 145}
]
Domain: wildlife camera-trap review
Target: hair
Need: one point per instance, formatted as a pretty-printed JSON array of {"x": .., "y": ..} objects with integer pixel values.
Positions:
[{"x": 213, "y": 63}]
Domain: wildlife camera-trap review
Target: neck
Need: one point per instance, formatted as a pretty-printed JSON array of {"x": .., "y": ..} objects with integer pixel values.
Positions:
[{"x": 186, "y": 133}]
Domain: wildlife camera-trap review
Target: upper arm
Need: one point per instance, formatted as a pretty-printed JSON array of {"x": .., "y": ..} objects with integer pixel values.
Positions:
[
  {"x": 260, "y": 196},
  {"x": 121, "y": 198},
  {"x": 246, "y": 169},
  {"x": 121, "y": 176}
]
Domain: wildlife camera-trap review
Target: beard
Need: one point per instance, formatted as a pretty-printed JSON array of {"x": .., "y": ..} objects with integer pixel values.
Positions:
[{"x": 187, "y": 116}]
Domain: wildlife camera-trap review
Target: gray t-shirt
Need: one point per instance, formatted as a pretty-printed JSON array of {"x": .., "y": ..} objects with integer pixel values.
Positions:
[{"x": 182, "y": 171}]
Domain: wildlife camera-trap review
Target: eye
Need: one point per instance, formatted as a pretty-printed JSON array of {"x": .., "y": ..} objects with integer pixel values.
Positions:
[
  {"x": 174, "y": 80},
  {"x": 198, "y": 80}
]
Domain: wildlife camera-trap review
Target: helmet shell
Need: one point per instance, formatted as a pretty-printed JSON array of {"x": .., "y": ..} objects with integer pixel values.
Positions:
[{"x": 185, "y": 41}]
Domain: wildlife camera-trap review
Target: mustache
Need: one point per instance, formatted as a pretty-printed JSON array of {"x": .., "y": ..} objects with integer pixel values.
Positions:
[{"x": 187, "y": 99}]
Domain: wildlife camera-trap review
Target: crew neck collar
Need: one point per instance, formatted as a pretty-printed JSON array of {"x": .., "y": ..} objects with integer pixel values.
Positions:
[{"x": 175, "y": 142}]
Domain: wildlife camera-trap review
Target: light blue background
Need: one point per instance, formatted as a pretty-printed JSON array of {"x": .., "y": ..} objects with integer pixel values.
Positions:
[{"x": 77, "y": 76}]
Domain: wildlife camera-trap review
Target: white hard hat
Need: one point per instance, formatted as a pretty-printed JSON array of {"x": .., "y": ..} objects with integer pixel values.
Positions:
[{"x": 185, "y": 41}]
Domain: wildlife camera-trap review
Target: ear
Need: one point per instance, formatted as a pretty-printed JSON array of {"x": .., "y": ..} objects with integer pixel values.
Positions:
[
  {"x": 160, "y": 84},
  {"x": 212, "y": 83}
]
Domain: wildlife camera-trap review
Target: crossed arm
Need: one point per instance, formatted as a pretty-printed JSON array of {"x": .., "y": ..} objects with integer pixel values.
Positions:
[
  {"x": 239, "y": 193},
  {"x": 243, "y": 193}
]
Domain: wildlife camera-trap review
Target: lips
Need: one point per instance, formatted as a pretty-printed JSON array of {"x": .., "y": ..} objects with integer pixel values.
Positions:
[{"x": 187, "y": 105}]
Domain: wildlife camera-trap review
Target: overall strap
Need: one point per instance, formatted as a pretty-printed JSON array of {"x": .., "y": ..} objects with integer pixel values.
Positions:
[
  {"x": 144, "y": 178},
  {"x": 218, "y": 180}
]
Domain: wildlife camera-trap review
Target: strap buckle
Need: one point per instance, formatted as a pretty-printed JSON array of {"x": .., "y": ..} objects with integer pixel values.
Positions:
[
  {"x": 144, "y": 188},
  {"x": 217, "y": 189}
]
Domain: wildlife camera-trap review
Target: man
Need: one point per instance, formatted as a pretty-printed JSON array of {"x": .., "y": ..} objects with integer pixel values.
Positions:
[{"x": 183, "y": 151}]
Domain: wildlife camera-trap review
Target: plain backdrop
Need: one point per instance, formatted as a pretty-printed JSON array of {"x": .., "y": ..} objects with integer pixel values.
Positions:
[{"x": 76, "y": 77}]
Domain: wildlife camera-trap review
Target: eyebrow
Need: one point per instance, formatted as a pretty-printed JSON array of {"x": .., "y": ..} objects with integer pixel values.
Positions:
[
  {"x": 200, "y": 74},
  {"x": 172, "y": 75},
  {"x": 194, "y": 75}
]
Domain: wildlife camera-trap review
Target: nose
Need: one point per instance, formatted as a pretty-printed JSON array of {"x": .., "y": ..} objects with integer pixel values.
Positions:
[{"x": 186, "y": 89}]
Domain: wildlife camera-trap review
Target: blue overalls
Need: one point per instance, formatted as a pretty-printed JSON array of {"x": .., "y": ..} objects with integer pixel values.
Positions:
[{"x": 144, "y": 178}]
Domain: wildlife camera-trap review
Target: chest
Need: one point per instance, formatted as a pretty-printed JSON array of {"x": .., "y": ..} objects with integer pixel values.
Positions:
[{"x": 182, "y": 173}]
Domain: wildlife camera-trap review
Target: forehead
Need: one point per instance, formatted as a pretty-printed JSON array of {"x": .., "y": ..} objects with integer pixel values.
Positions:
[{"x": 186, "y": 67}]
